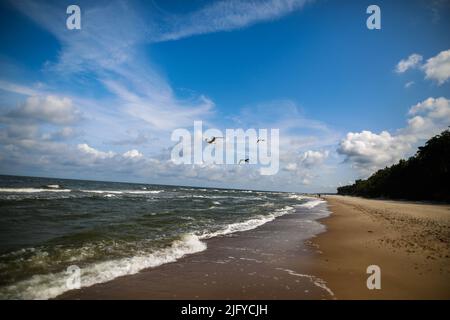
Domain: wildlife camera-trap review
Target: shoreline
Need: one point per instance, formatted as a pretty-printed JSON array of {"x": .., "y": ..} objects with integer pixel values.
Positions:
[
  {"x": 262, "y": 263},
  {"x": 409, "y": 241},
  {"x": 278, "y": 260}
]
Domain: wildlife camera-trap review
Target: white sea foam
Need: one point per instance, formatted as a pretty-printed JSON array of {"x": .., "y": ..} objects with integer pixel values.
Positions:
[
  {"x": 53, "y": 186},
  {"x": 123, "y": 191},
  {"x": 46, "y": 286},
  {"x": 318, "y": 282},
  {"x": 51, "y": 285},
  {"x": 108, "y": 195},
  {"x": 102, "y": 191},
  {"x": 296, "y": 196},
  {"x": 143, "y": 192},
  {"x": 248, "y": 224},
  {"x": 32, "y": 190},
  {"x": 312, "y": 203}
]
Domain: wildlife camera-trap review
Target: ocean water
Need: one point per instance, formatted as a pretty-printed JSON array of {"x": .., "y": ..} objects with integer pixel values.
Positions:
[{"x": 113, "y": 229}]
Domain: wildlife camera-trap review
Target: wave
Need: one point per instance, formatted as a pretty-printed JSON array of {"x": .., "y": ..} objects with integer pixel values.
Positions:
[
  {"x": 248, "y": 224},
  {"x": 53, "y": 186},
  {"x": 45, "y": 286},
  {"x": 32, "y": 190},
  {"x": 296, "y": 197},
  {"x": 311, "y": 204},
  {"x": 51, "y": 285},
  {"x": 123, "y": 191},
  {"x": 318, "y": 282}
]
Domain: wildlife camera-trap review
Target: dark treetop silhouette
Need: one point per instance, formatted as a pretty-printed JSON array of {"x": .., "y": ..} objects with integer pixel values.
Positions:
[{"x": 425, "y": 176}]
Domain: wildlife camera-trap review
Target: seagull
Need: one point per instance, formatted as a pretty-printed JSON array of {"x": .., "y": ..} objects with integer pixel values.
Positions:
[
  {"x": 213, "y": 139},
  {"x": 259, "y": 140},
  {"x": 245, "y": 160}
]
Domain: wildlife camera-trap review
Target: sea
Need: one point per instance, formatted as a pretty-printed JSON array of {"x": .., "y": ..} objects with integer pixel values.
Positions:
[{"x": 112, "y": 229}]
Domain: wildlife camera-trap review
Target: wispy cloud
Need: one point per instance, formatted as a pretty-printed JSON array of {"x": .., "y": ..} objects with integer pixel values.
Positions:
[
  {"x": 413, "y": 61},
  {"x": 140, "y": 102},
  {"x": 224, "y": 16},
  {"x": 110, "y": 49}
]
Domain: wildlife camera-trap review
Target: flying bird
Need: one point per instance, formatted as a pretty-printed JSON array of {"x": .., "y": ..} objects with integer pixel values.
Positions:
[
  {"x": 212, "y": 140},
  {"x": 245, "y": 160},
  {"x": 259, "y": 140}
]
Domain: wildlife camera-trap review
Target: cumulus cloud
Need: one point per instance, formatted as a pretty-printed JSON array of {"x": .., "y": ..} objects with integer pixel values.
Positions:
[
  {"x": 94, "y": 153},
  {"x": 52, "y": 109},
  {"x": 311, "y": 158},
  {"x": 435, "y": 108},
  {"x": 368, "y": 151},
  {"x": 133, "y": 154},
  {"x": 437, "y": 68},
  {"x": 97, "y": 154},
  {"x": 302, "y": 168},
  {"x": 409, "y": 63}
]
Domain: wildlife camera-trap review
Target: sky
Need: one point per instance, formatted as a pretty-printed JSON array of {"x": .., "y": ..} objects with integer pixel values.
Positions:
[{"x": 101, "y": 103}]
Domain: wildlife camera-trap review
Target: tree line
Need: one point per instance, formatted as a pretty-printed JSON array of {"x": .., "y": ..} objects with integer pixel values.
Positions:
[{"x": 424, "y": 176}]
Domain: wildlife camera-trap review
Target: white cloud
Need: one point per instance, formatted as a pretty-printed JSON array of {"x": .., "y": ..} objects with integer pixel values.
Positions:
[
  {"x": 225, "y": 16},
  {"x": 96, "y": 154},
  {"x": 53, "y": 109},
  {"x": 291, "y": 166},
  {"x": 132, "y": 154},
  {"x": 438, "y": 67},
  {"x": 409, "y": 63},
  {"x": 312, "y": 158},
  {"x": 436, "y": 108},
  {"x": 409, "y": 84},
  {"x": 304, "y": 168},
  {"x": 369, "y": 151},
  {"x": 112, "y": 50},
  {"x": 11, "y": 87}
]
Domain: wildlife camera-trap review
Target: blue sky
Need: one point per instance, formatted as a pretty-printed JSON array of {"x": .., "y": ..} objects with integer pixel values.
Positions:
[{"x": 101, "y": 102}]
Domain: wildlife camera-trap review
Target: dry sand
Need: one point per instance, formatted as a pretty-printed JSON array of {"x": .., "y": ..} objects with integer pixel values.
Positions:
[{"x": 409, "y": 241}]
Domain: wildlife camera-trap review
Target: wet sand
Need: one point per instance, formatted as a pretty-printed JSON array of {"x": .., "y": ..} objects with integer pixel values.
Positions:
[
  {"x": 263, "y": 263},
  {"x": 410, "y": 242}
]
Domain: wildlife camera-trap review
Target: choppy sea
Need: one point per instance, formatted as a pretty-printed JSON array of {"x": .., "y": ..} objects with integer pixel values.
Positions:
[{"x": 111, "y": 229}]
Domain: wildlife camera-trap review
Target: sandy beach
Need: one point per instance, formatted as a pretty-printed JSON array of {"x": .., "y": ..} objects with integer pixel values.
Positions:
[{"x": 409, "y": 241}]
